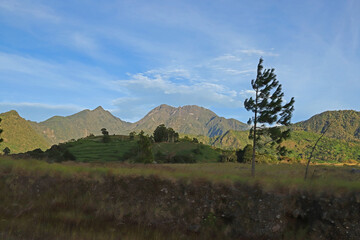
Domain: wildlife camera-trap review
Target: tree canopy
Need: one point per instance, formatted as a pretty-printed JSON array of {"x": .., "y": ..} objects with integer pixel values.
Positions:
[{"x": 163, "y": 134}]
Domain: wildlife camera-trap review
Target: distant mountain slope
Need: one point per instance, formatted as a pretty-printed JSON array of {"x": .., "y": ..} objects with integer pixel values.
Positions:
[
  {"x": 18, "y": 134},
  {"x": 345, "y": 124},
  {"x": 232, "y": 140},
  {"x": 300, "y": 143},
  {"x": 191, "y": 119},
  {"x": 60, "y": 129}
]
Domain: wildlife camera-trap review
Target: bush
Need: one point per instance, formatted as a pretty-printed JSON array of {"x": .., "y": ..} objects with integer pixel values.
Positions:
[
  {"x": 183, "y": 159},
  {"x": 245, "y": 155},
  {"x": 228, "y": 156},
  {"x": 68, "y": 156}
]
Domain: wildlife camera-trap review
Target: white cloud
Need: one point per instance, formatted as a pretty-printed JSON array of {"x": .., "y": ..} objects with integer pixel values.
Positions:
[
  {"x": 162, "y": 88},
  {"x": 44, "y": 73},
  {"x": 39, "y": 111},
  {"x": 29, "y": 9},
  {"x": 67, "y": 107},
  {"x": 258, "y": 52},
  {"x": 83, "y": 42},
  {"x": 228, "y": 57},
  {"x": 247, "y": 93}
]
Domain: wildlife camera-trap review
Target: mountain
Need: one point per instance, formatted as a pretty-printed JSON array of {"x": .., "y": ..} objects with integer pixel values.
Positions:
[
  {"x": 345, "y": 124},
  {"x": 19, "y": 135},
  {"x": 191, "y": 119},
  {"x": 232, "y": 140},
  {"x": 60, "y": 129}
]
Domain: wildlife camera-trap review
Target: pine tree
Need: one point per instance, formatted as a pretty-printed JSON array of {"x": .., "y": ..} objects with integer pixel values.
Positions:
[
  {"x": 269, "y": 111},
  {"x": 1, "y": 132}
]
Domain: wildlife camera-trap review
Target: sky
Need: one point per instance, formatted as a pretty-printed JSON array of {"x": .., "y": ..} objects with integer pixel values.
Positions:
[{"x": 129, "y": 56}]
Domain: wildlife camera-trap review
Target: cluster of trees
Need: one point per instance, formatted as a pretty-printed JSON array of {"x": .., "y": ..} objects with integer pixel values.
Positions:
[{"x": 163, "y": 134}]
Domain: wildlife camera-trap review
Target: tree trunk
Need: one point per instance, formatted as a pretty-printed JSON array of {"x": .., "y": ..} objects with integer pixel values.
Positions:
[
  {"x": 253, "y": 153},
  {"x": 254, "y": 140},
  {"x": 313, "y": 149}
]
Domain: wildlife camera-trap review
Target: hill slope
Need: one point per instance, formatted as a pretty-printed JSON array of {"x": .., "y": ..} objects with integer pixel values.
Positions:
[
  {"x": 18, "y": 134},
  {"x": 300, "y": 143},
  {"x": 345, "y": 124},
  {"x": 60, "y": 129},
  {"x": 191, "y": 119}
]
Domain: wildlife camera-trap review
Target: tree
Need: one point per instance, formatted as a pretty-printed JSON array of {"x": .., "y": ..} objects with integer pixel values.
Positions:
[
  {"x": 6, "y": 151},
  {"x": 132, "y": 135},
  {"x": 269, "y": 111},
  {"x": 245, "y": 155},
  {"x": 161, "y": 133},
  {"x": 1, "y": 132},
  {"x": 106, "y": 137},
  {"x": 145, "y": 152},
  {"x": 104, "y": 131}
]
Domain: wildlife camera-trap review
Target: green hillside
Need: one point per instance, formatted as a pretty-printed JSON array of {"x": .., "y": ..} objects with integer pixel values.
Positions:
[
  {"x": 345, "y": 124},
  {"x": 121, "y": 148},
  {"x": 92, "y": 149},
  {"x": 60, "y": 129},
  {"x": 328, "y": 149},
  {"x": 232, "y": 140},
  {"x": 300, "y": 143},
  {"x": 18, "y": 134}
]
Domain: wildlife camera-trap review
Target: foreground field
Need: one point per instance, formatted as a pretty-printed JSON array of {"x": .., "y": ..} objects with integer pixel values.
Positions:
[
  {"x": 332, "y": 178},
  {"x": 184, "y": 201}
]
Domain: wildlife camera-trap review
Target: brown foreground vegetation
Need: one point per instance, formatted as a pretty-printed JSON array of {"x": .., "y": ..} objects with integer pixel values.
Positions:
[{"x": 198, "y": 201}]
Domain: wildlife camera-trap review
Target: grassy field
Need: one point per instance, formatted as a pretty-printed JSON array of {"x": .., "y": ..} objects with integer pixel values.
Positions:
[
  {"x": 92, "y": 149},
  {"x": 331, "y": 178},
  {"x": 55, "y": 195}
]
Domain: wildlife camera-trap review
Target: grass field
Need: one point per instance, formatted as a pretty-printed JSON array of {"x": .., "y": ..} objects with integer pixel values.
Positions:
[
  {"x": 72, "y": 200},
  {"x": 332, "y": 178},
  {"x": 93, "y": 150}
]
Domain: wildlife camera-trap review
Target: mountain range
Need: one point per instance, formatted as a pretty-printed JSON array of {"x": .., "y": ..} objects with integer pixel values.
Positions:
[
  {"x": 191, "y": 120},
  {"x": 21, "y": 135}
]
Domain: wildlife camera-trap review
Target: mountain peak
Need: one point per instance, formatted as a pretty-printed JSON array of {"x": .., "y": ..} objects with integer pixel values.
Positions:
[
  {"x": 99, "y": 108},
  {"x": 11, "y": 113}
]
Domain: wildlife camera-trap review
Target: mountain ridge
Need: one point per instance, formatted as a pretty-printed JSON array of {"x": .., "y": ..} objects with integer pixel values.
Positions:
[
  {"x": 345, "y": 124},
  {"x": 188, "y": 119}
]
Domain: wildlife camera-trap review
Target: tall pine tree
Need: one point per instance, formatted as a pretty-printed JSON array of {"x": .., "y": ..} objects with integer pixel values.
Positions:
[
  {"x": 269, "y": 111},
  {"x": 1, "y": 132}
]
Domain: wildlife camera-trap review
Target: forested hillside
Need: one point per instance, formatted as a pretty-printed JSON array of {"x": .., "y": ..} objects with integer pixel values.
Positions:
[
  {"x": 345, "y": 124},
  {"x": 18, "y": 134}
]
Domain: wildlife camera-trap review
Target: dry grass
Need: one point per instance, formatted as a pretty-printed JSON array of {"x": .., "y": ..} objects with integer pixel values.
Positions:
[
  {"x": 74, "y": 213},
  {"x": 329, "y": 178}
]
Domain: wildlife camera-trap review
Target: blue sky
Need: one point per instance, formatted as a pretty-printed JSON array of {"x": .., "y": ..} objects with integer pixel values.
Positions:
[{"x": 60, "y": 57}]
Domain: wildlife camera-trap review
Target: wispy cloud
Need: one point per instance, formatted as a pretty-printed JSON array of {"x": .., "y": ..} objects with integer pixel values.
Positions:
[
  {"x": 258, "y": 52},
  {"x": 39, "y": 111},
  {"x": 29, "y": 9},
  {"x": 67, "y": 107},
  {"x": 84, "y": 42},
  {"x": 45, "y": 73}
]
